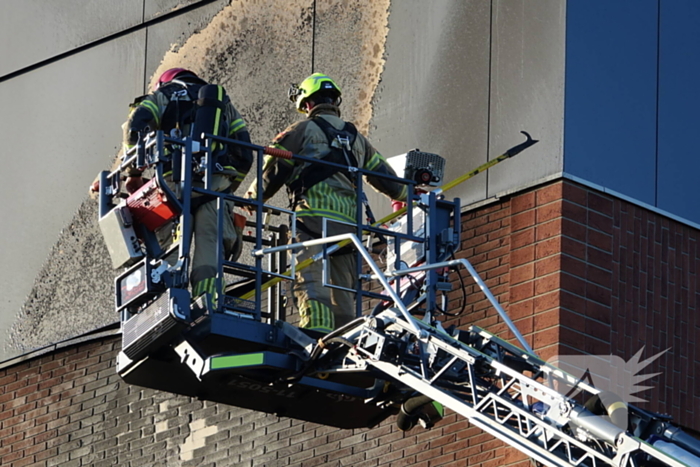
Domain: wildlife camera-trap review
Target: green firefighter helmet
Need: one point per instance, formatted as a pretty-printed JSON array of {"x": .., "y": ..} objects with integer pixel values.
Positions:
[{"x": 318, "y": 82}]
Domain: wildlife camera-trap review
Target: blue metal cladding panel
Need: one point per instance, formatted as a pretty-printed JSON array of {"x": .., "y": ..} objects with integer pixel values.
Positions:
[
  {"x": 679, "y": 101},
  {"x": 610, "y": 95}
]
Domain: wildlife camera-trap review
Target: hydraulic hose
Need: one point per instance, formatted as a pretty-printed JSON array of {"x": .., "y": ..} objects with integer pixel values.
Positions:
[{"x": 410, "y": 412}]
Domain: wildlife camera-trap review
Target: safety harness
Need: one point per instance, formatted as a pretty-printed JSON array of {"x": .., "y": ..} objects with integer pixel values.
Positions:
[
  {"x": 340, "y": 143},
  {"x": 203, "y": 107}
]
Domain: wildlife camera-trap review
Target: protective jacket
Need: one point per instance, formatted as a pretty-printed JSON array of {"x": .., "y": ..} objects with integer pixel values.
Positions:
[
  {"x": 335, "y": 197},
  {"x": 172, "y": 106}
]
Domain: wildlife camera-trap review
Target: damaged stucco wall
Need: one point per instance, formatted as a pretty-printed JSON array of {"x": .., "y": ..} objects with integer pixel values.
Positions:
[
  {"x": 454, "y": 79},
  {"x": 255, "y": 49},
  {"x": 68, "y": 73}
]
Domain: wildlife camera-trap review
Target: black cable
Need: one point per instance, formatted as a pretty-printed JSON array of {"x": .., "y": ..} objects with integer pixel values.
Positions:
[
  {"x": 313, "y": 37},
  {"x": 464, "y": 292},
  {"x": 413, "y": 281},
  {"x": 145, "y": 46},
  {"x": 111, "y": 37}
]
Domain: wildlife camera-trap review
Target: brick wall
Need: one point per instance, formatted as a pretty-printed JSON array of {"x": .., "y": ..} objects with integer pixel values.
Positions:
[
  {"x": 627, "y": 281},
  {"x": 70, "y": 408},
  {"x": 576, "y": 270}
]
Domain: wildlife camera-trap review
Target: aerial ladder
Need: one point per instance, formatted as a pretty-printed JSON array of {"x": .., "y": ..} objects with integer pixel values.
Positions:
[{"x": 395, "y": 360}]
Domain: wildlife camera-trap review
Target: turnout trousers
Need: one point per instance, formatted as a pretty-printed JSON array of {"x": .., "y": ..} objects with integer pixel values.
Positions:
[
  {"x": 205, "y": 229},
  {"x": 322, "y": 308}
]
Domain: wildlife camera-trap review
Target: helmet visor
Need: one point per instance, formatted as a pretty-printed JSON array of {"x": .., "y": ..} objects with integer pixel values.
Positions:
[{"x": 294, "y": 92}]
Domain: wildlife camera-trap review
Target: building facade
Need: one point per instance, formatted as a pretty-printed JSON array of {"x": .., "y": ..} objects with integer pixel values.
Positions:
[{"x": 588, "y": 239}]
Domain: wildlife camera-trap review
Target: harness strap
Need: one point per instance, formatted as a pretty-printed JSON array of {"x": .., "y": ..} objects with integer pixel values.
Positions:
[
  {"x": 198, "y": 105},
  {"x": 180, "y": 111},
  {"x": 207, "y": 101},
  {"x": 340, "y": 143}
]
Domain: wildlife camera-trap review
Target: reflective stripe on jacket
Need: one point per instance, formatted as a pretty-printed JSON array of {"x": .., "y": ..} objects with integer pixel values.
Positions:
[
  {"x": 147, "y": 113},
  {"x": 335, "y": 197}
]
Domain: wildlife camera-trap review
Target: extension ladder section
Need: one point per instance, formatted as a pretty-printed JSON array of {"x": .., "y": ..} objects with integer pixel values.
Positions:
[{"x": 483, "y": 378}]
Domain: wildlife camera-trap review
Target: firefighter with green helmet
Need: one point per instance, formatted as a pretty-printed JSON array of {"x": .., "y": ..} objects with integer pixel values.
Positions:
[{"x": 317, "y": 193}]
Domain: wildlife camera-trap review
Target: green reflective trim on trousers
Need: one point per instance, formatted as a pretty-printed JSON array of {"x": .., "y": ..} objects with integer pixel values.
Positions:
[
  {"x": 317, "y": 316},
  {"x": 204, "y": 286}
]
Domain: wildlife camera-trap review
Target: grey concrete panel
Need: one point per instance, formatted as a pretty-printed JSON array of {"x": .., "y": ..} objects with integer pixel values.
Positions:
[
  {"x": 679, "y": 67},
  {"x": 434, "y": 89},
  {"x": 34, "y": 30},
  {"x": 154, "y": 8},
  {"x": 64, "y": 127},
  {"x": 364, "y": 31},
  {"x": 611, "y": 86},
  {"x": 357, "y": 74},
  {"x": 172, "y": 34},
  {"x": 527, "y": 90}
]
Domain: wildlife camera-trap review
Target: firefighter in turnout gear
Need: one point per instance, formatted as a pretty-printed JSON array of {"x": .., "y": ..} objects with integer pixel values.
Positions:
[
  {"x": 175, "y": 104},
  {"x": 317, "y": 192}
]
